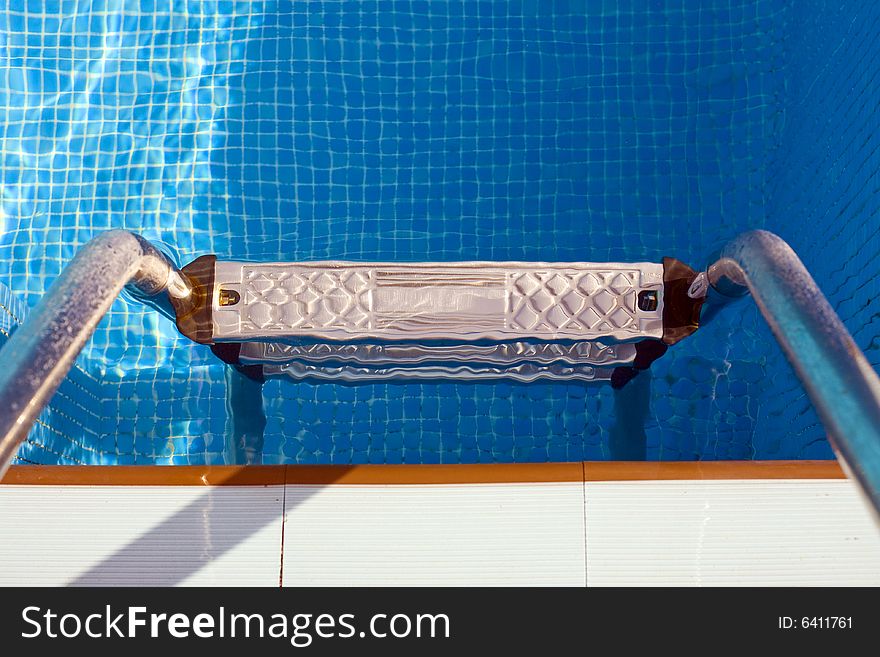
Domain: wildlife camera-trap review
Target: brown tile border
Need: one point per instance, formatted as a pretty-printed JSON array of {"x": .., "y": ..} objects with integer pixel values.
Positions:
[
  {"x": 268, "y": 475},
  {"x": 487, "y": 473},
  {"x": 149, "y": 475},
  {"x": 671, "y": 470}
]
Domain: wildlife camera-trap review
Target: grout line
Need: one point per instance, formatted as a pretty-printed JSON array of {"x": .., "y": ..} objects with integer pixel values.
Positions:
[
  {"x": 584, "y": 493},
  {"x": 283, "y": 523}
]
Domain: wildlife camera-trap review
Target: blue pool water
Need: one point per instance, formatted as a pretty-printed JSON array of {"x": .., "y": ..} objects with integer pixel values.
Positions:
[{"x": 438, "y": 130}]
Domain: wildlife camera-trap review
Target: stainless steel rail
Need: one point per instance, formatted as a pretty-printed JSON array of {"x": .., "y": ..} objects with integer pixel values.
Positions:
[
  {"x": 39, "y": 354},
  {"x": 840, "y": 382}
]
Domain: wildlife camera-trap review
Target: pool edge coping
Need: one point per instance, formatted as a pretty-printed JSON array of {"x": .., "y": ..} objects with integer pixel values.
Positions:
[{"x": 488, "y": 473}]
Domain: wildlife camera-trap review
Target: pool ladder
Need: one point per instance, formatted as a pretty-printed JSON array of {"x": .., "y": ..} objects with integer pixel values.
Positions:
[{"x": 353, "y": 322}]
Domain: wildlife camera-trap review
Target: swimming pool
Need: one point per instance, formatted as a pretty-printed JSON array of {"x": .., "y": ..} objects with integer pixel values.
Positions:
[{"x": 459, "y": 130}]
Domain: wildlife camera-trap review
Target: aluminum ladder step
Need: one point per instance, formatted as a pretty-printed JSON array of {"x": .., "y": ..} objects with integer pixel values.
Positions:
[
  {"x": 522, "y": 373},
  {"x": 378, "y": 355},
  {"x": 517, "y": 361},
  {"x": 353, "y": 321}
]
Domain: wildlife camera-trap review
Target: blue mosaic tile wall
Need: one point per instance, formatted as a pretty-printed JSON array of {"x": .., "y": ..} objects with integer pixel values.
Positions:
[
  {"x": 426, "y": 130},
  {"x": 823, "y": 187}
]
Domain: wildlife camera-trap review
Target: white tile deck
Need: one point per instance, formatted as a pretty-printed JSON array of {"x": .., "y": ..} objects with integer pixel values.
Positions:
[
  {"x": 725, "y": 533},
  {"x": 643, "y": 532},
  {"x": 439, "y": 535},
  {"x": 140, "y": 535}
]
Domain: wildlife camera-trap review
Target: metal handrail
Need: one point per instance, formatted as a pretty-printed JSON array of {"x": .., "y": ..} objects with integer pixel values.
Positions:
[
  {"x": 844, "y": 388},
  {"x": 41, "y": 351}
]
